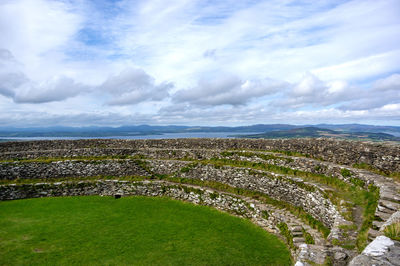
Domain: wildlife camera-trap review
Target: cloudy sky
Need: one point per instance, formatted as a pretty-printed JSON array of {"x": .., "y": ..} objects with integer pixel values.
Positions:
[{"x": 199, "y": 62}]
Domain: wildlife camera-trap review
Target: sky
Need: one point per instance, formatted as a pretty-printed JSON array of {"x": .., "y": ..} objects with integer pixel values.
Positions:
[{"x": 199, "y": 62}]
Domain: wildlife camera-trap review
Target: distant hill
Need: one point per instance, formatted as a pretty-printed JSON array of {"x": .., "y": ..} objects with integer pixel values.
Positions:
[
  {"x": 393, "y": 130},
  {"x": 139, "y": 130},
  {"x": 315, "y": 132},
  {"x": 269, "y": 131}
]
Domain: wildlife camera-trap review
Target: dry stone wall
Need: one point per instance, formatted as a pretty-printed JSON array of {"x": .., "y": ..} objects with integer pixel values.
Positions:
[
  {"x": 236, "y": 205},
  {"x": 70, "y": 168},
  {"x": 298, "y": 163},
  {"x": 208, "y": 160},
  {"x": 196, "y": 195},
  {"x": 279, "y": 187},
  {"x": 384, "y": 157}
]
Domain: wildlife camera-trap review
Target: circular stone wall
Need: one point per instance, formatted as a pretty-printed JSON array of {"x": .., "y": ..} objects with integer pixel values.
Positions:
[{"x": 326, "y": 198}]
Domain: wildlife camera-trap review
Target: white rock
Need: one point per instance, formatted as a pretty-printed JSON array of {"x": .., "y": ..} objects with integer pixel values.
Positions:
[
  {"x": 299, "y": 263},
  {"x": 303, "y": 246},
  {"x": 395, "y": 218},
  {"x": 378, "y": 247}
]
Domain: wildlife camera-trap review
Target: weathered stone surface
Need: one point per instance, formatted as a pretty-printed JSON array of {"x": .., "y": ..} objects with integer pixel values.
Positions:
[
  {"x": 378, "y": 247},
  {"x": 381, "y": 251},
  {"x": 280, "y": 187},
  {"x": 382, "y": 156},
  {"x": 124, "y": 188},
  {"x": 316, "y": 254},
  {"x": 161, "y": 158},
  {"x": 390, "y": 205},
  {"x": 394, "y": 218},
  {"x": 339, "y": 256},
  {"x": 70, "y": 168}
]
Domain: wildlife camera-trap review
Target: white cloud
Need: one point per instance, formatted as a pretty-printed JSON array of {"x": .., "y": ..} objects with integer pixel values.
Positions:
[
  {"x": 10, "y": 76},
  {"x": 16, "y": 85},
  {"x": 132, "y": 86},
  {"x": 266, "y": 38},
  {"x": 395, "y": 107},
  {"x": 171, "y": 60},
  {"x": 308, "y": 86},
  {"x": 38, "y": 32},
  {"x": 383, "y": 92},
  {"x": 9, "y": 81},
  {"x": 390, "y": 83},
  {"x": 311, "y": 91},
  {"x": 55, "y": 89},
  {"x": 228, "y": 90},
  {"x": 359, "y": 69}
]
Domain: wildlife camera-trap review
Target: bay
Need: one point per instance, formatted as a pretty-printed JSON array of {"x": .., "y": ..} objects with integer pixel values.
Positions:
[{"x": 158, "y": 136}]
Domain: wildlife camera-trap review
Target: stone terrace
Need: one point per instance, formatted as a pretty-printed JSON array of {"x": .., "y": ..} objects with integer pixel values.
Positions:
[{"x": 312, "y": 187}]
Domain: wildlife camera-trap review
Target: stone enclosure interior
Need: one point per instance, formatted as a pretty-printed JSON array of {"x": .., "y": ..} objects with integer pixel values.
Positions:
[{"x": 325, "y": 198}]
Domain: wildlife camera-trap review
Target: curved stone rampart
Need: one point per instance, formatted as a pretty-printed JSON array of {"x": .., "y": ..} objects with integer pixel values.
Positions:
[
  {"x": 384, "y": 157},
  {"x": 266, "y": 216},
  {"x": 70, "y": 168},
  {"x": 196, "y": 195},
  {"x": 305, "y": 196},
  {"x": 252, "y": 165},
  {"x": 299, "y": 163}
]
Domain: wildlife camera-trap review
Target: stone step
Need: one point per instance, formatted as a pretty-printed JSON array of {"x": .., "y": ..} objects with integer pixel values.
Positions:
[
  {"x": 295, "y": 228},
  {"x": 383, "y": 215},
  {"x": 319, "y": 241},
  {"x": 297, "y": 234},
  {"x": 389, "y": 204},
  {"x": 372, "y": 234},
  {"x": 377, "y": 224},
  {"x": 385, "y": 210},
  {"x": 298, "y": 240},
  {"x": 390, "y": 196}
]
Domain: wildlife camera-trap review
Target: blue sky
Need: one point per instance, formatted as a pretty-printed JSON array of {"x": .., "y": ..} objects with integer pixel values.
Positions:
[{"x": 111, "y": 63}]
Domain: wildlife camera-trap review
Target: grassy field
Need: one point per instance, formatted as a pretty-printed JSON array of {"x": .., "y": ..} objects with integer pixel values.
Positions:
[{"x": 132, "y": 230}]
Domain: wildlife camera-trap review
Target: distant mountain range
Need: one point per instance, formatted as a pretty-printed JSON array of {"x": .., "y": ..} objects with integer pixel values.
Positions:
[
  {"x": 260, "y": 131},
  {"x": 315, "y": 132},
  {"x": 130, "y": 130}
]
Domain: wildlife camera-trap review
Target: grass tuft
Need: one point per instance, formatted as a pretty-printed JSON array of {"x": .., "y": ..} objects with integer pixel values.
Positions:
[
  {"x": 308, "y": 237},
  {"x": 393, "y": 231},
  {"x": 283, "y": 228}
]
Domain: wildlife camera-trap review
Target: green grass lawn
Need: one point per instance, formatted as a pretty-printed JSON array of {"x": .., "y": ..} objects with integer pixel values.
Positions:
[{"x": 132, "y": 230}]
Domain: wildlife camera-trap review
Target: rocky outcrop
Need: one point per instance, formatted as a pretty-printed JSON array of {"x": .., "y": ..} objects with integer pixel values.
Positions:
[{"x": 381, "y": 252}]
